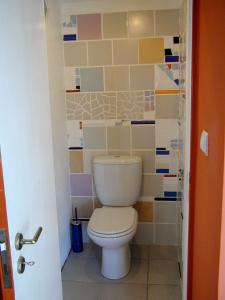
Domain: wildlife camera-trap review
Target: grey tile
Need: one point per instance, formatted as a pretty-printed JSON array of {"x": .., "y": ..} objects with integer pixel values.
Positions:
[
  {"x": 95, "y": 291},
  {"x": 91, "y": 79},
  {"x": 84, "y": 206},
  {"x": 144, "y": 234},
  {"x": 141, "y": 23},
  {"x": 120, "y": 53},
  {"x": 163, "y": 252},
  {"x": 99, "y": 53},
  {"x": 148, "y": 160},
  {"x": 152, "y": 185},
  {"x": 94, "y": 137},
  {"x": 117, "y": 78},
  {"x": 89, "y": 270},
  {"x": 164, "y": 292},
  {"x": 75, "y": 54},
  {"x": 163, "y": 272}
]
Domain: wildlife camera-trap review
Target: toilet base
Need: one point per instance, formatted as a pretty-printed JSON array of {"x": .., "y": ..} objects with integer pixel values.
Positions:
[{"x": 116, "y": 262}]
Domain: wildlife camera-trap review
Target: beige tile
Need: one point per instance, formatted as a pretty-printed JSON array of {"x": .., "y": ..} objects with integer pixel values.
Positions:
[
  {"x": 164, "y": 252},
  {"x": 148, "y": 160},
  {"x": 118, "y": 137},
  {"x": 167, "y": 22},
  {"x": 143, "y": 136},
  {"x": 76, "y": 161},
  {"x": 145, "y": 211},
  {"x": 166, "y": 234},
  {"x": 165, "y": 212},
  {"x": 140, "y": 23},
  {"x": 164, "y": 292},
  {"x": 94, "y": 137},
  {"x": 75, "y": 54},
  {"x": 152, "y": 185},
  {"x": 84, "y": 206},
  {"x": 151, "y": 51},
  {"x": 88, "y": 158},
  {"x": 142, "y": 77},
  {"x": 117, "y": 78},
  {"x": 119, "y": 152},
  {"x": 144, "y": 234},
  {"x": 125, "y": 52},
  {"x": 163, "y": 272},
  {"x": 115, "y": 25},
  {"x": 109, "y": 291},
  {"x": 167, "y": 106},
  {"x": 99, "y": 53}
]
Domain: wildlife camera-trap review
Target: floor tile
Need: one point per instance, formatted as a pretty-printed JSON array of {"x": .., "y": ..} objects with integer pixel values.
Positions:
[
  {"x": 163, "y": 272},
  {"x": 163, "y": 252},
  {"x": 89, "y": 270},
  {"x": 164, "y": 292},
  {"x": 139, "y": 251},
  {"x": 92, "y": 291}
]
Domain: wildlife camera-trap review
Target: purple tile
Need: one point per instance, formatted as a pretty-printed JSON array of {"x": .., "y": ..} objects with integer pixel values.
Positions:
[
  {"x": 81, "y": 185},
  {"x": 89, "y": 27}
]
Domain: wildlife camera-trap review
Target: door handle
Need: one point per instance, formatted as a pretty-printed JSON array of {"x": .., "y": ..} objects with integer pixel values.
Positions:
[{"x": 20, "y": 241}]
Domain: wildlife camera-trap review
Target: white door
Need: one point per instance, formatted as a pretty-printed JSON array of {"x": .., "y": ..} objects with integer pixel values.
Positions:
[{"x": 26, "y": 146}]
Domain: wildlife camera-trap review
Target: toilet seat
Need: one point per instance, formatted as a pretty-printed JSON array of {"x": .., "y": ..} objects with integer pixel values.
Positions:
[{"x": 113, "y": 222}]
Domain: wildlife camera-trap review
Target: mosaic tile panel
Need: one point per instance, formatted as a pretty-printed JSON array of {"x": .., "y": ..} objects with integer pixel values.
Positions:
[
  {"x": 130, "y": 105},
  {"x": 166, "y": 162},
  {"x": 69, "y": 25},
  {"x": 103, "y": 106},
  {"x": 78, "y": 106},
  {"x": 167, "y": 76},
  {"x": 171, "y": 49}
]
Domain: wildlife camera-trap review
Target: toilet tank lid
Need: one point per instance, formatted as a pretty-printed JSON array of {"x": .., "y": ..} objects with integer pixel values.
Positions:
[{"x": 116, "y": 160}]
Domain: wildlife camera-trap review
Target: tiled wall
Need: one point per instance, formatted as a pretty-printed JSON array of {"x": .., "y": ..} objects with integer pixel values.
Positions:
[{"x": 122, "y": 95}]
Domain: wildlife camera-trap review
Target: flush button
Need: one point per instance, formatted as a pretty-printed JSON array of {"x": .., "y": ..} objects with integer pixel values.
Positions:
[{"x": 204, "y": 142}]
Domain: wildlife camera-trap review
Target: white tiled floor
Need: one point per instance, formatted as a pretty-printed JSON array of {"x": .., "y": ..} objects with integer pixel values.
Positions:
[{"x": 154, "y": 275}]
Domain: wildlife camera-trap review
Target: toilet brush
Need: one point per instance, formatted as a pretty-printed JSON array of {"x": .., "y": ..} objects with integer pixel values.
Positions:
[{"x": 77, "y": 239}]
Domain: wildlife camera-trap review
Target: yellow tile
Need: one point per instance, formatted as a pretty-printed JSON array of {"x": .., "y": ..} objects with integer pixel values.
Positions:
[
  {"x": 151, "y": 51},
  {"x": 145, "y": 211},
  {"x": 166, "y": 92},
  {"x": 76, "y": 161}
]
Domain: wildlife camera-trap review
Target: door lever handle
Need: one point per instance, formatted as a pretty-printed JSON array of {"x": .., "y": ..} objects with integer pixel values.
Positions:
[{"x": 20, "y": 241}]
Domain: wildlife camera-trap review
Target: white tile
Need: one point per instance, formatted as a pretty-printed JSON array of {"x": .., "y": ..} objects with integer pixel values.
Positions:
[
  {"x": 170, "y": 184},
  {"x": 166, "y": 234},
  {"x": 165, "y": 212},
  {"x": 74, "y": 134},
  {"x": 166, "y": 130},
  {"x": 144, "y": 234},
  {"x": 69, "y": 78},
  {"x": 163, "y": 272}
]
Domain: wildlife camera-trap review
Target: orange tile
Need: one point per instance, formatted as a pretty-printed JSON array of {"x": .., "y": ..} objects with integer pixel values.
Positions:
[
  {"x": 166, "y": 92},
  {"x": 151, "y": 51},
  {"x": 145, "y": 211}
]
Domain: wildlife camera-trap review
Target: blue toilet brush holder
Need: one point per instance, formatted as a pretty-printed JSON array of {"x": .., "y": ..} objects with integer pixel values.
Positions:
[{"x": 77, "y": 237}]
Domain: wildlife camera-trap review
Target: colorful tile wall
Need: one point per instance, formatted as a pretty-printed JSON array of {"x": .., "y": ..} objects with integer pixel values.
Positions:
[{"x": 122, "y": 87}]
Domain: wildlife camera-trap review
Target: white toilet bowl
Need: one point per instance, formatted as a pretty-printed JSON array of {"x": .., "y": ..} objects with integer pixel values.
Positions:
[{"x": 112, "y": 228}]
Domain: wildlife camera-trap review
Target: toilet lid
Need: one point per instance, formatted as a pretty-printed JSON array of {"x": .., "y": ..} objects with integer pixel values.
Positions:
[{"x": 112, "y": 220}]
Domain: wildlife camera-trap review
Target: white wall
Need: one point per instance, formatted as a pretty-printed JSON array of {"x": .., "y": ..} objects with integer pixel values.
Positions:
[
  {"x": 98, "y": 6},
  {"x": 58, "y": 120}
]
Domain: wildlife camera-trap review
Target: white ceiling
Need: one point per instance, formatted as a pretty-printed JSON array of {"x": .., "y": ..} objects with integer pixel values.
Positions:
[{"x": 94, "y": 6}]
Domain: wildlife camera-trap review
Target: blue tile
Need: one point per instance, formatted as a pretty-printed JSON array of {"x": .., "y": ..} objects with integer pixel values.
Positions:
[
  {"x": 69, "y": 37},
  {"x": 170, "y": 194},
  {"x": 162, "y": 152},
  {"x": 162, "y": 171},
  {"x": 161, "y": 148},
  {"x": 172, "y": 58}
]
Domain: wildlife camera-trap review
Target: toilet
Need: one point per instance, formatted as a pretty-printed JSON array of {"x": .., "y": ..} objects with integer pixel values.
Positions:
[{"x": 117, "y": 182}]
